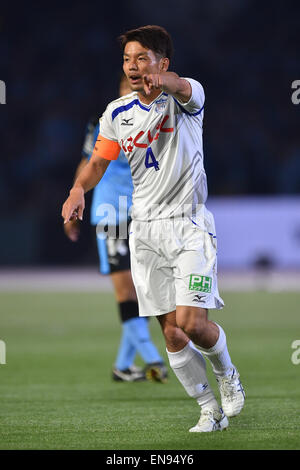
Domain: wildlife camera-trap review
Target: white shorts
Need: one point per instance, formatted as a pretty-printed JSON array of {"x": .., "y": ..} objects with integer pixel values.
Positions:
[{"x": 174, "y": 262}]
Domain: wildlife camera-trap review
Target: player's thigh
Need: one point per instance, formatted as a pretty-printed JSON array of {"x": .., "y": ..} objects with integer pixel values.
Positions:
[
  {"x": 123, "y": 285},
  {"x": 119, "y": 263},
  {"x": 196, "y": 272},
  {"x": 114, "y": 257}
]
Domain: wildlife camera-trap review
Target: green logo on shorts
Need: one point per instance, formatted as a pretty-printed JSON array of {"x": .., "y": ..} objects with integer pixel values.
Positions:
[{"x": 200, "y": 283}]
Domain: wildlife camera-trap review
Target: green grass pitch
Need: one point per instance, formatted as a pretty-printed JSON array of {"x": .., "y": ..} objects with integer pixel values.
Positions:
[{"x": 56, "y": 390}]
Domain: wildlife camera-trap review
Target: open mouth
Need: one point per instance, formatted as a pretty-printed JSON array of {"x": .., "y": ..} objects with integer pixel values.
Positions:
[{"x": 134, "y": 78}]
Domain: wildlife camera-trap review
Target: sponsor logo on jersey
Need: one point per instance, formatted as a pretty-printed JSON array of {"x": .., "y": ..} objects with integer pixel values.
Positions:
[
  {"x": 200, "y": 283},
  {"x": 143, "y": 139},
  {"x": 125, "y": 122}
]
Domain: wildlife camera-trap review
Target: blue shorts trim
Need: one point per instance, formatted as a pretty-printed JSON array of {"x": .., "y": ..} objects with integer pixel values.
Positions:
[{"x": 103, "y": 256}]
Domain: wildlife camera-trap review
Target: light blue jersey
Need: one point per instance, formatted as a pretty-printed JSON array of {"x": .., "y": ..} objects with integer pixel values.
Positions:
[{"x": 115, "y": 183}]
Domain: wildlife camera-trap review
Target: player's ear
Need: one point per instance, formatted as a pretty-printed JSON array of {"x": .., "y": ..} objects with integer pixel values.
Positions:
[{"x": 164, "y": 64}]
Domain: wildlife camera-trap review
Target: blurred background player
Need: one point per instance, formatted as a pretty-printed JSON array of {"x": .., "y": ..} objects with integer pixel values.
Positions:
[{"x": 114, "y": 258}]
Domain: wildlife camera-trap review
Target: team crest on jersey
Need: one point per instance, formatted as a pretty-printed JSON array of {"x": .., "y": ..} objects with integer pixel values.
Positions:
[{"x": 160, "y": 105}]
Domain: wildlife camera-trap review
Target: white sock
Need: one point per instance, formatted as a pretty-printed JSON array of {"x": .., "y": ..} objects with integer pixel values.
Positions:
[
  {"x": 189, "y": 367},
  {"x": 218, "y": 355}
]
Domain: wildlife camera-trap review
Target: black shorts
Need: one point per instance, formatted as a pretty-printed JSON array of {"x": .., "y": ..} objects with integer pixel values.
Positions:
[{"x": 113, "y": 253}]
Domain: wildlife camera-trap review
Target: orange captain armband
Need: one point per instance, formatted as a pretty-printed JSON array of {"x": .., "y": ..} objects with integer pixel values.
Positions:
[{"x": 106, "y": 148}]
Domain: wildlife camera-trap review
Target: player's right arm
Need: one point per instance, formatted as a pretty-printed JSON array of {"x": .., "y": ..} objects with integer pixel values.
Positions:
[{"x": 104, "y": 151}]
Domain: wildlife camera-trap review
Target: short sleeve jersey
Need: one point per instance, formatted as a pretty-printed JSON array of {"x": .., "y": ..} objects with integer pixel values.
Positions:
[{"x": 163, "y": 144}]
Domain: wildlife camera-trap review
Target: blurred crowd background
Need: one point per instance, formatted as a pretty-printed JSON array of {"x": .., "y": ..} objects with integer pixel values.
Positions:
[{"x": 61, "y": 64}]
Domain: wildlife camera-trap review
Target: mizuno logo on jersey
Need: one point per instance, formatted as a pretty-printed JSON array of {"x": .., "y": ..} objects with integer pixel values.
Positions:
[{"x": 126, "y": 122}]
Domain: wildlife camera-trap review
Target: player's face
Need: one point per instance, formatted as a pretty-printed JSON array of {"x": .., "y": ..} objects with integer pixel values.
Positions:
[{"x": 139, "y": 61}]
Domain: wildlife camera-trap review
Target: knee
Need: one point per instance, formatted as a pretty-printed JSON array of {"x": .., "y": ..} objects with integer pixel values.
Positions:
[
  {"x": 174, "y": 336},
  {"x": 169, "y": 332},
  {"x": 193, "y": 326},
  {"x": 125, "y": 294},
  {"x": 123, "y": 286}
]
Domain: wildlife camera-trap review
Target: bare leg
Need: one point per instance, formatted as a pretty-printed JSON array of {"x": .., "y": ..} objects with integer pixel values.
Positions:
[
  {"x": 207, "y": 335},
  {"x": 187, "y": 362},
  {"x": 195, "y": 324},
  {"x": 123, "y": 286}
]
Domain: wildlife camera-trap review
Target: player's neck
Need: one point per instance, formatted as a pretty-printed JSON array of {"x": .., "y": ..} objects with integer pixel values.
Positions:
[{"x": 147, "y": 99}]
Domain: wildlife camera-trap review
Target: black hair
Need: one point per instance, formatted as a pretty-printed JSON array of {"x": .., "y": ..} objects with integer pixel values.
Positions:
[{"x": 153, "y": 37}]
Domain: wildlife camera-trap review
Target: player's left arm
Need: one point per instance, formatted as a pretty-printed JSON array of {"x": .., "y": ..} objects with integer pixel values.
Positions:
[{"x": 169, "y": 82}]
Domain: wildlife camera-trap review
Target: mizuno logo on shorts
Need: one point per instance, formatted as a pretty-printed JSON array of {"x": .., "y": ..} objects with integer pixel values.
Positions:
[
  {"x": 200, "y": 283},
  {"x": 199, "y": 298}
]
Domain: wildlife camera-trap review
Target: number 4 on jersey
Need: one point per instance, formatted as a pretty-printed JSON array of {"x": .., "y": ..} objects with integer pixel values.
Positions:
[{"x": 150, "y": 159}]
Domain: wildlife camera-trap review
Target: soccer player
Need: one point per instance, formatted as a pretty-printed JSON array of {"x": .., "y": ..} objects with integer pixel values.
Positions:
[
  {"x": 172, "y": 235},
  {"x": 114, "y": 258}
]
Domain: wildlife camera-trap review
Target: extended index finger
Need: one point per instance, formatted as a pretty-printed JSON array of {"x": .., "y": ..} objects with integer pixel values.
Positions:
[
  {"x": 147, "y": 84},
  {"x": 67, "y": 212}
]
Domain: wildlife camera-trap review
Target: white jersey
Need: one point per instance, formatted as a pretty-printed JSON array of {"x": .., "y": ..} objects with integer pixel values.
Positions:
[{"x": 163, "y": 143}]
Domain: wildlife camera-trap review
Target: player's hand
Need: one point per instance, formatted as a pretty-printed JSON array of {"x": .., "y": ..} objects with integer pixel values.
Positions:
[
  {"x": 152, "y": 81},
  {"x": 74, "y": 206},
  {"x": 72, "y": 230}
]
